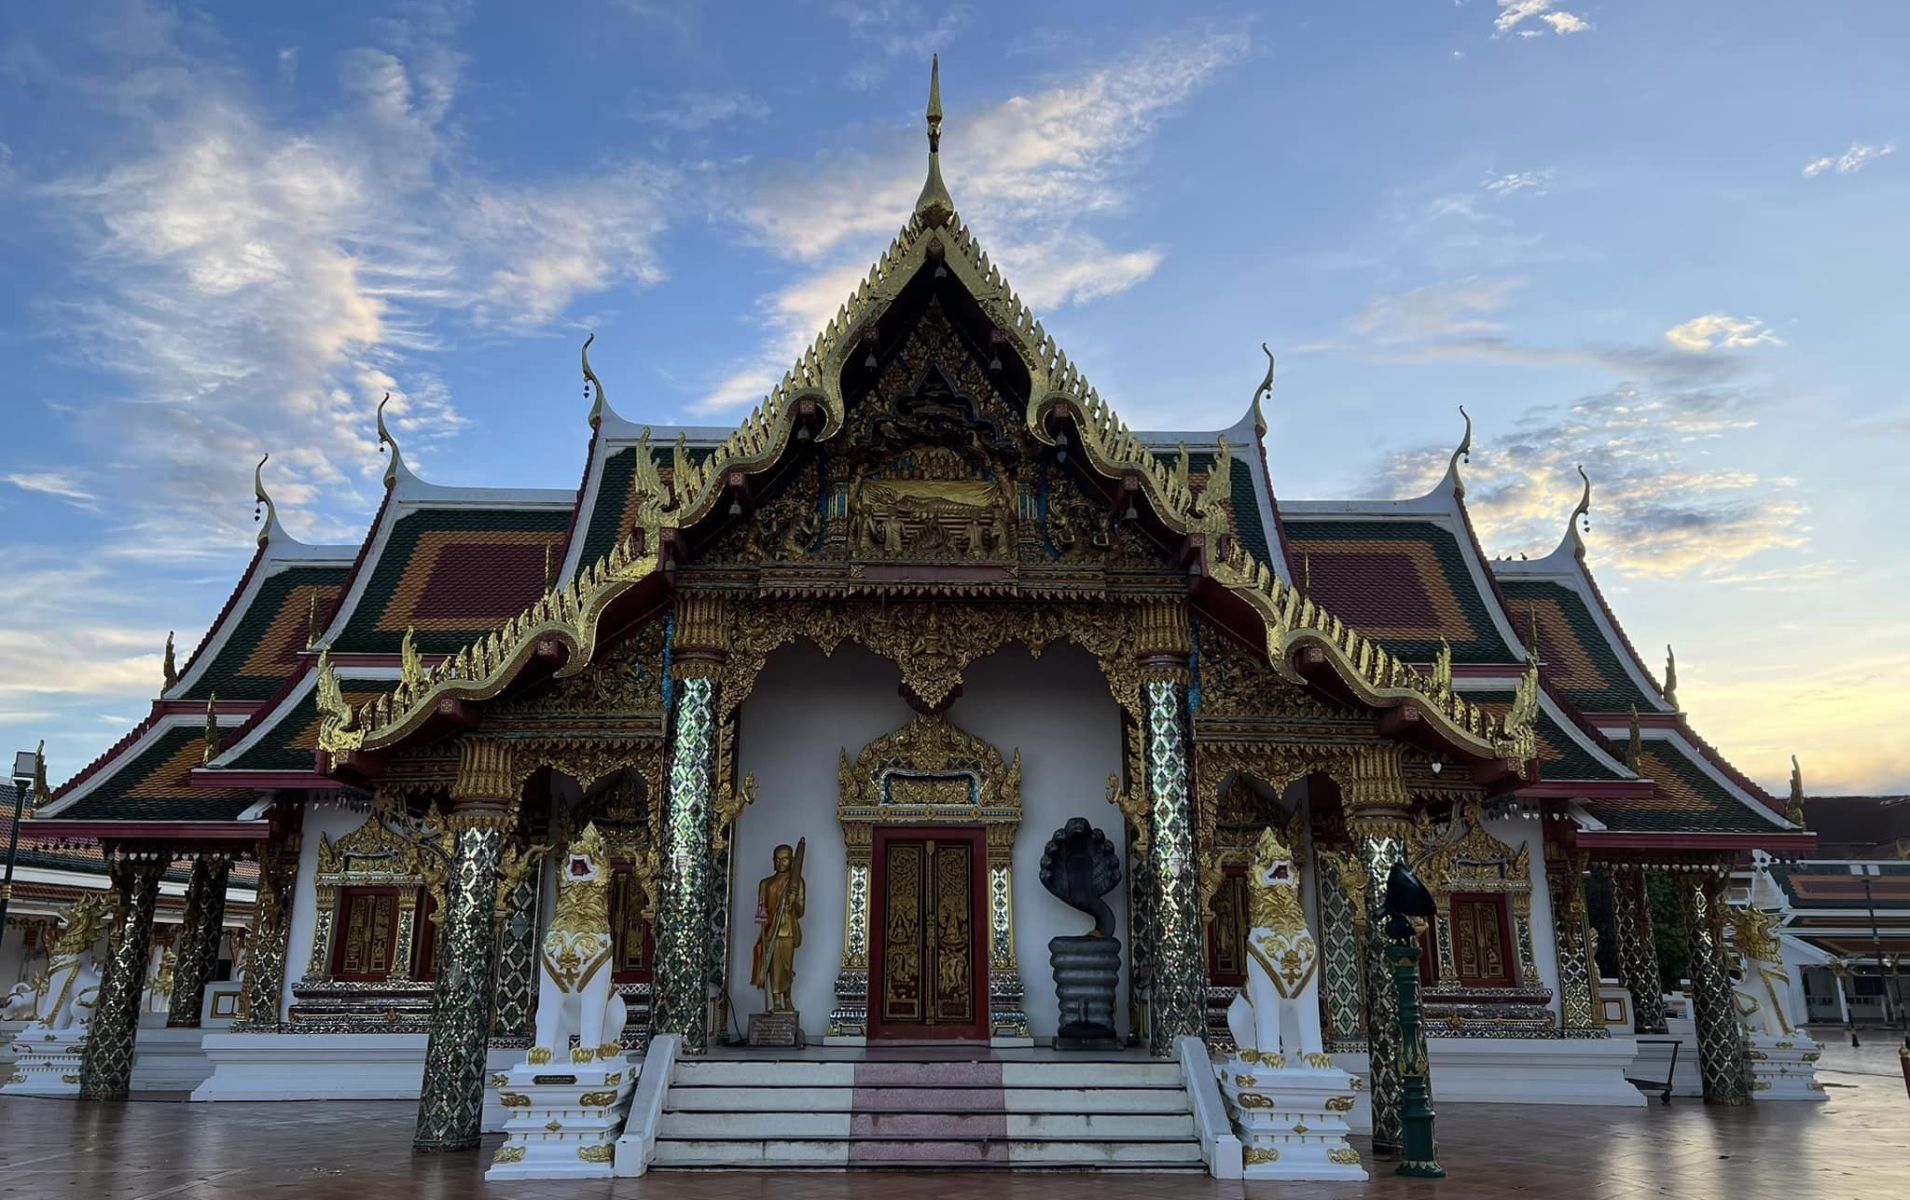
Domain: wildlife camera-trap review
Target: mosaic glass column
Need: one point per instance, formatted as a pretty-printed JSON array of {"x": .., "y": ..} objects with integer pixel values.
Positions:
[
  {"x": 483, "y": 809},
  {"x": 263, "y": 988},
  {"x": 1377, "y": 805},
  {"x": 516, "y": 990},
  {"x": 1637, "y": 950},
  {"x": 1572, "y": 943},
  {"x": 106, "y": 1072},
  {"x": 683, "y": 922},
  {"x": 1342, "y": 992},
  {"x": 199, "y": 937},
  {"x": 1180, "y": 992},
  {"x": 1713, "y": 1007}
]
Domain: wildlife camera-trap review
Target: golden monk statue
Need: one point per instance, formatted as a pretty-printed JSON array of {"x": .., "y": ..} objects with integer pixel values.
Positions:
[{"x": 779, "y": 909}]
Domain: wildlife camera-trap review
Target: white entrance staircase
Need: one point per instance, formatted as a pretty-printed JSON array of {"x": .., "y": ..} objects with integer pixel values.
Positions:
[{"x": 900, "y": 1110}]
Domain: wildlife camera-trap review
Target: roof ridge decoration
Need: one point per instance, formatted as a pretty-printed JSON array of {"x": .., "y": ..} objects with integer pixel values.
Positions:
[
  {"x": 1581, "y": 514},
  {"x": 262, "y": 502},
  {"x": 168, "y": 666},
  {"x": 396, "y": 467},
  {"x": 1794, "y": 808},
  {"x": 1670, "y": 689},
  {"x": 1265, "y": 389},
  {"x": 1462, "y": 450},
  {"x": 569, "y": 610},
  {"x": 599, "y": 403}
]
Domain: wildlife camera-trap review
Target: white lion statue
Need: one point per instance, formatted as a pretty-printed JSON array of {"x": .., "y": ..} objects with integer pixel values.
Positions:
[
  {"x": 70, "y": 987},
  {"x": 1763, "y": 987},
  {"x": 575, "y": 993},
  {"x": 1276, "y": 1017}
]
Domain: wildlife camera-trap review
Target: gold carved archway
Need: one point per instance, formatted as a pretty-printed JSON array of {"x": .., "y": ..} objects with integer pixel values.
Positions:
[{"x": 929, "y": 772}]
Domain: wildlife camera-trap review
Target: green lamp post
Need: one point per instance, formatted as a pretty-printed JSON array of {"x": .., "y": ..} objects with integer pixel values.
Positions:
[{"x": 1407, "y": 898}]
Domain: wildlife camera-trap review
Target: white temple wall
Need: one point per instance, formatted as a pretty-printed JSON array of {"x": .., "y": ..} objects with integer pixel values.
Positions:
[
  {"x": 806, "y": 708},
  {"x": 333, "y": 822},
  {"x": 1058, "y": 712}
]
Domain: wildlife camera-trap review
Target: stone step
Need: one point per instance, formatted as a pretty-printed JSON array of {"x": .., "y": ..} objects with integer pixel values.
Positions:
[
  {"x": 709, "y": 1126},
  {"x": 793, "y": 1073},
  {"x": 947, "y": 1099},
  {"x": 950, "y": 1153}
]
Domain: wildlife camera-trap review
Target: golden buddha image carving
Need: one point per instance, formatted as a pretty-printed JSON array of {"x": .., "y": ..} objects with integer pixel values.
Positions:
[{"x": 780, "y": 901}]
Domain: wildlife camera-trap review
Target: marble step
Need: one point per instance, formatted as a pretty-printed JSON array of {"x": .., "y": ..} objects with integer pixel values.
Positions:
[
  {"x": 956, "y": 1153},
  {"x": 709, "y": 1126},
  {"x": 684, "y": 1098},
  {"x": 792, "y": 1073}
]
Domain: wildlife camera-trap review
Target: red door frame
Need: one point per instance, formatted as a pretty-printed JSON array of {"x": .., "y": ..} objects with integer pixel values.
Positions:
[{"x": 977, "y": 838}]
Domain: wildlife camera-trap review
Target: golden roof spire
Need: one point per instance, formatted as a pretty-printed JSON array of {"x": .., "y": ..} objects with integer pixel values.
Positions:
[
  {"x": 1463, "y": 450},
  {"x": 592, "y": 383},
  {"x": 934, "y": 205}
]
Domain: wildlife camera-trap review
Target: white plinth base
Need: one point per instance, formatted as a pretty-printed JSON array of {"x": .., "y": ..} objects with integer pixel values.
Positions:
[
  {"x": 169, "y": 1060},
  {"x": 47, "y": 1062},
  {"x": 1291, "y": 1120},
  {"x": 564, "y": 1119},
  {"x": 1782, "y": 1068}
]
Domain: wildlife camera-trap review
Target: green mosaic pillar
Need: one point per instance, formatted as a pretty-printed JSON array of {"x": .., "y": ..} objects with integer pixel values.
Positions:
[
  {"x": 515, "y": 997},
  {"x": 199, "y": 937},
  {"x": 1377, "y": 804},
  {"x": 106, "y": 1071},
  {"x": 1342, "y": 996},
  {"x": 483, "y": 809},
  {"x": 1637, "y": 952},
  {"x": 262, "y": 990},
  {"x": 1713, "y": 1007},
  {"x": 1572, "y": 943},
  {"x": 679, "y": 988},
  {"x": 1180, "y": 969}
]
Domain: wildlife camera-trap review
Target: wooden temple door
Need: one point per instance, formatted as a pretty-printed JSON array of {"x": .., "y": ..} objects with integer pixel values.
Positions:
[
  {"x": 929, "y": 946},
  {"x": 1481, "y": 941}
]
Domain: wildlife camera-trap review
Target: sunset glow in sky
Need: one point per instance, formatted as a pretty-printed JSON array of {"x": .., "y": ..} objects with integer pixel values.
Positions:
[{"x": 1664, "y": 241}]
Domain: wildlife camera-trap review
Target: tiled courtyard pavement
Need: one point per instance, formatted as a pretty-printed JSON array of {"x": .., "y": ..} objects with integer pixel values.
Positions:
[{"x": 1855, "y": 1147}]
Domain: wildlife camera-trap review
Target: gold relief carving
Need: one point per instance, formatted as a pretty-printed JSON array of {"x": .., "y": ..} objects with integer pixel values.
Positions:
[
  {"x": 1244, "y": 1080},
  {"x": 370, "y": 855},
  {"x": 614, "y": 1078},
  {"x": 1255, "y": 1155},
  {"x": 1373, "y": 790},
  {"x": 1323, "y": 1062},
  {"x": 484, "y": 771},
  {"x": 597, "y": 1099},
  {"x": 701, "y": 623},
  {"x": 1135, "y": 812},
  {"x": 513, "y": 1099},
  {"x": 554, "y": 1125},
  {"x": 1254, "y": 1100},
  {"x": 508, "y": 1154},
  {"x": 1339, "y": 1104},
  {"x": 729, "y": 806},
  {"x": 539, "y": 1056},
  {"x": 601, "y": 1153},
  {"x": 1164, "y": 630},
  {"x": 1345, "y": 1156},
  {"x": 588, "y": 760}
]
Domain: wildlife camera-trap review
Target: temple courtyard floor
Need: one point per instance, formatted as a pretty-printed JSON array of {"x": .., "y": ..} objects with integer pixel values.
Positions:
[{"x": 1855, "y": 1147}]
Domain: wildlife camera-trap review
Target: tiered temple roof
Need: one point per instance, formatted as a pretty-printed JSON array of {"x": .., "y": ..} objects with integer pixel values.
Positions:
[{"x": 467, "y": 578}]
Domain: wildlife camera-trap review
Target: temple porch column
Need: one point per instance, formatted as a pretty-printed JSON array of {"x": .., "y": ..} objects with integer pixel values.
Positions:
[
  {"x": 679, "y": 990},
  {"x": 106, "y": 1071},
  {"x": 1713, "y": 1008},
  {"x": 1637, "y": 949},
  {"x": 1572, "y": 938},
  {"x": 1179, "y": 1005},
  {"x": 1377, "y": 819},
  {"x": 262, "y": 991},
  {"x": 515, "y": 992},
  {"x": 483, "y": 809},
  {"x": 199, "y": 936}
]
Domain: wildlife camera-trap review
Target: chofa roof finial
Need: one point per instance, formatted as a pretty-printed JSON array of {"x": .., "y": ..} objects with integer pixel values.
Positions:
[
  {"x": 934, "y": 205},
  {"x": 1265, "y": 389},
  {"x": 598, "y": 404},
  {"x": 1671, "y": 677},
  {"x": 397, "y": 462},
  {"x": 1794, "y": 810},
  {"x": 262, "y": 503},
  {"x": 1582, "y": 513},
  {"x": 1462, "y": 451}
]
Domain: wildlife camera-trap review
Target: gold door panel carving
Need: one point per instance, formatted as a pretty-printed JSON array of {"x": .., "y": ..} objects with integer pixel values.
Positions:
[{"x": 930, "y": 960}]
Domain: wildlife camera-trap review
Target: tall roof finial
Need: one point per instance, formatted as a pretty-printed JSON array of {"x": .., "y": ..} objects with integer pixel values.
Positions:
[
  {"x": 168, "y": 666},
  {"x": 263, "y": 503},
  {"x": 41, "y": 792},
  {"x": 1671, "y": 676},
  {"x": 1582, "y": 513},
  {"x": 934, "y": 205},
  {"x": 1635, "y": 745},
  {"x": 1265, "y": 389},
  {"x": 385, "y": 439},
  {"x": 1462, "y": 451},
  {"x": 1794, "y": 811},
  {"x": 592, "y": 384}
]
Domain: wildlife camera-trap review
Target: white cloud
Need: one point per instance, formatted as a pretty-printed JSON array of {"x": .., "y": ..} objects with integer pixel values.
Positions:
[
  {"x": 1513, "y": 13},
  {"x": 1536, "y": 182},
  {"x": 1716, "y": 331},
  {"x": 692, "y": 111},
  {"x": 1435, "y": 311},
  {"x": 56, "y": 483},
  {"x": 1859, "y": 156},
  {"x": 1028, "y": 173}
]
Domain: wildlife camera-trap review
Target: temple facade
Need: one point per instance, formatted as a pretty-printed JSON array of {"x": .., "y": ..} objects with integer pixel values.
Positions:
[{"x": 927, "y": 602}]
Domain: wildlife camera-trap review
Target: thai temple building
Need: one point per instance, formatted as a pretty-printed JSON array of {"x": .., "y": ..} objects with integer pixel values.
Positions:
[{"x": 928, "y": 602}]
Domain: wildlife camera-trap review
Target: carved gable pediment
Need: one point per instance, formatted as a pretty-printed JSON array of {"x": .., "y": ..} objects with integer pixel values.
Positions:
[{"x": 369, "y": 854}]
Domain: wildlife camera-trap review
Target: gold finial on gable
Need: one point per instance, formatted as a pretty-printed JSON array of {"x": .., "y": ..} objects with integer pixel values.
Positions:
[{"x": 934, "y": 205}]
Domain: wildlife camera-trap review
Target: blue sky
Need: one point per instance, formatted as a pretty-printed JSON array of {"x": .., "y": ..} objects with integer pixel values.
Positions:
[{"x": 1662, "y": 240}]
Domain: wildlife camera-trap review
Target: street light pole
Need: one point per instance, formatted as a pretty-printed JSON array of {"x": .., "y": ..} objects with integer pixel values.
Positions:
[{"x": 26, "y": 772}]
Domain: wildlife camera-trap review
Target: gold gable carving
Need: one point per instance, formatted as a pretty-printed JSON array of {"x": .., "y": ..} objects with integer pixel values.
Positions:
[
  {"x": 925, "y": 770},
  {"x": 369, "y": 854}
]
